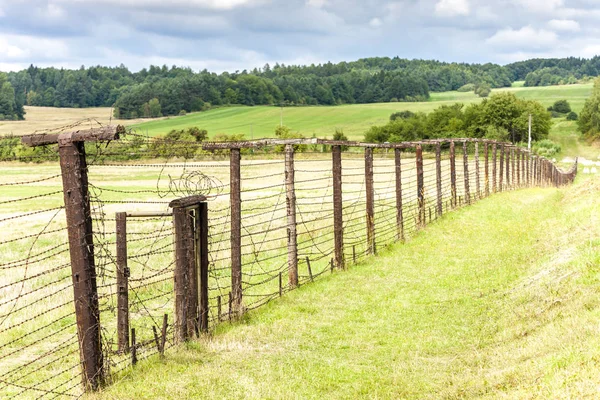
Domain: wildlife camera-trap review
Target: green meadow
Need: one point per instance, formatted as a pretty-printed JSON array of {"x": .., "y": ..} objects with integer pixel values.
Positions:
[{"x": 354, "y": 120}]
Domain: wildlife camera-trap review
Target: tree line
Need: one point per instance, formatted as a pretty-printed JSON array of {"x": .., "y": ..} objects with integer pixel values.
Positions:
[{"x": 157, "y": 91}]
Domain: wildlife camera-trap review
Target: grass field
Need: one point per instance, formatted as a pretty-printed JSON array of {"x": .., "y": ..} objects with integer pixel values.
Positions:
[
  {"x": 354, "y": 120},
  {"x": 499, "y": 300}
]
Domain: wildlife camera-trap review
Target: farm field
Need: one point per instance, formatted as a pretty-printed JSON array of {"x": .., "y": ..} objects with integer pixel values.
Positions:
[
  {"x": 354, "y": 119},
  {"x": 260, "y": 121},
  {"x": 45, "y": 119},
  {"x": 506, "y": 306}
]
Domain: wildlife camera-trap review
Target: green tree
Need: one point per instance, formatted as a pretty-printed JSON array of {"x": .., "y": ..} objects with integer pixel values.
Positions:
[
  {"x": 589, "y": 117},
  {"x": 560, "y": 106},
  {"x": 154, "y": 108}
]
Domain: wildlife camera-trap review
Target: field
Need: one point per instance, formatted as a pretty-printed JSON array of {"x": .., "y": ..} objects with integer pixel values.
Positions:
[
  {"x": 260, "y": 121},
  {"x": 499, "y": 300},
  {"x": 354, "y": 120},
  {"x": 47, "y": 119}
]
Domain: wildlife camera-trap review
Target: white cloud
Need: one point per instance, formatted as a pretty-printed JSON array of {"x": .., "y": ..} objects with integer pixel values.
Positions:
[
  {"x": 452, "y": 8},
  {"x": 539, "y": 6},
  {"x": 525, "y": 38},
  {"x": 141, "y": 4},
  {"x": 375, "y": 23},
  {"x": 564, "y": 25},
  {"x": 19, "y": 47},
  {"x": 591, "y": 51},
  {"x": 316, "y": 3}
]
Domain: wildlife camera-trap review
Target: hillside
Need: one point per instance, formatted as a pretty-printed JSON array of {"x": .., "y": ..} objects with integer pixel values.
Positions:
[{"x": 498, "y": 300}]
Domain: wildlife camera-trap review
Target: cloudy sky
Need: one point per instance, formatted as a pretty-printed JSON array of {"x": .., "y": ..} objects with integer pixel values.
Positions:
[{"x": 242, "y": 34}]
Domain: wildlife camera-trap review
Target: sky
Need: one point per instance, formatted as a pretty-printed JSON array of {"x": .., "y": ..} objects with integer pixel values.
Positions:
[{"x": 230, "y": 35}]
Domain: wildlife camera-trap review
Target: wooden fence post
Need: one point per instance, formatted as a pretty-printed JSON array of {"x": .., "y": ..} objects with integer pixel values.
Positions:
[
  {"x": 292, "y": 237},
  {"x": 438, "y": 177},
  {"x": 477, "y": 182},
  {"x": 453, "y": 173},
  {"x": 370, "y": 200},
  {"x": 420, "y": 185},
  {"x": 494, "y": 167},
  {"x": 487, "y": 169},
  {"x": 399, "y": 213},
  {"x": 81, "y": 247},
  {"x": 338, "y": 223},
  {"x": 236, "y": 231},
  {"x": 181, "y": 226},
  {"x": 501, "y": 171},
  {"x": 466, "y": 173},
  {"x": 510, "y": 180},
  {"x": 518, "y": 166},
  {"x": 122, "y": 283},
  {"x": 202, "y": 256},
  {"x": 192, "y": 276}
]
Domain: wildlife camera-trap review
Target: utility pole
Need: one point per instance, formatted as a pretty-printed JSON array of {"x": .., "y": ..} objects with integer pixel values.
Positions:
[{"x": 529, "y": 142}]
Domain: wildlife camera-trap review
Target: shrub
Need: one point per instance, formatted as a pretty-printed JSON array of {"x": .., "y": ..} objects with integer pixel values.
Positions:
[
  {"x": 572, "y": 116},
  {"x": 401, "y": 115},
  {"x": 469, "y": 87},
  {"x": 546, "y": 148}
]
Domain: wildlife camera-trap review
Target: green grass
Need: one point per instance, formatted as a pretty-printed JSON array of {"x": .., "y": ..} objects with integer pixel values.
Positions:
[
  {"x": 499, "y": 300},
  {"x": 354, "y": 120}
]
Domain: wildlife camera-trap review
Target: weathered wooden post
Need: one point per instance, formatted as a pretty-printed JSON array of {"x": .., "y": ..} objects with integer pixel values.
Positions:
[
  {"x": 338, "y": 223},
  {"x": 420, "y": 185},
  {"x": 190, "y": 220},
  {"x": 487, "y": 169},
  {"x": 466, "y": 173},
  {"x": 494, "y": 167},
  {"x": 399, "y": 213},
  {"x": 438, "y": 178},
  {"x": 122, "y": 283},
  {"x": 477, "y": 182},
  {"x": 73, "y": 166},
  {"x": 512, "y": 168},
  {"x": 236, "y": 231},
  {"x": 370, "y": 200},
  {"x": 453, "y": 174},
  {"x": 501, "y": 174},
  {"x": 292, "y": 237},
  {"x": 518, "y": 166}
]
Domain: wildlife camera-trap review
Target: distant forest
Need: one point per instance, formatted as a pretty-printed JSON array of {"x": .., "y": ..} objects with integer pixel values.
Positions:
[{"x": 159, "y": 91}]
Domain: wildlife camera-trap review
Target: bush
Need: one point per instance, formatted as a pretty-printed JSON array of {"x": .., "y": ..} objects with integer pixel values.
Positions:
[
  {"x": 401, "y": 115},
  {"x": 469, "y": 87},
  {"x": 560, "y": 106},
  {"x": 546, "y": 148},
  {"x": 339, "y": 135},
  {"x": 572, "y": 116}
]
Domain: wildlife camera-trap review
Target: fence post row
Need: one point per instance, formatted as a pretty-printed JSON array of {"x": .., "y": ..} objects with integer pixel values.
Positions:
[
  {"x": 477, "y": 182},
  {"x": 518, "y": 166},
  {"x": 438, "y": 178},
  {"x": 292, "y": 235},
  {"x": 338, "y": 223},
  {"x": 399, "y": 213},
  {"x": 420, "y": 186},
  {"x": 452, "y": 174},
  {"x": 494, "y": 167},
  {"x": 370, "y": 201},
  {"x": 466, "y": 173},
  {"x": 487, "y": 169},
  {"x": 122, "y": 283},
  {"x": 507, "y": 167}
]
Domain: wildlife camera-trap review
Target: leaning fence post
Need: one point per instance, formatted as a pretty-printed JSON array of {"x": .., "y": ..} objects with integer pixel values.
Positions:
[
  {"x": 370, "y": 200},
  {"x": 477, "y": 182},
  {"x": 292, "y": 237},
  {"x": 438, "y": 177},
  {"x": 466, "y": 173},
  {"x": 122, "y": 283},
  {"x": 399, "y": 214},
  {"x": 420, "y": 185},
  {"x": 81, "y": 246},
  {"x": 236, "y": 231},
  {"x": 453, "y": 174},
  {"x": 338, "y": 223}
]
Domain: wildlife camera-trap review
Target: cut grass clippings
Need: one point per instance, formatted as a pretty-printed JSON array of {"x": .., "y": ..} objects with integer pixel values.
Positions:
[{"x": 497, "y": 300}]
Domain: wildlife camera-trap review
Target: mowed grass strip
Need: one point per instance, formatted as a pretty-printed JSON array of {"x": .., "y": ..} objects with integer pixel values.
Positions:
[{"x": 498, "y": 300}]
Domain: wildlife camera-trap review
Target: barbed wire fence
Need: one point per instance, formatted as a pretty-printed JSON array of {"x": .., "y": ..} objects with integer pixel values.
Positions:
[{"x": 106, "y": 260}]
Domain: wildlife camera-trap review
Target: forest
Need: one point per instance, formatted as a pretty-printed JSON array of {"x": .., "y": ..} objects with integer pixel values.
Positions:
[{"x": 161, "y": 91}]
